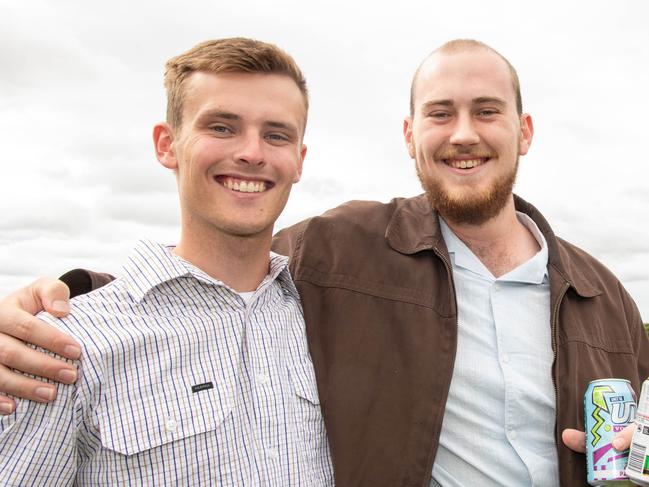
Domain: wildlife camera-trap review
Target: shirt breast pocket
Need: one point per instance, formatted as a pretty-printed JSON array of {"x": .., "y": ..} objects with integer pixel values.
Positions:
[{"x": 134, "y": 423}]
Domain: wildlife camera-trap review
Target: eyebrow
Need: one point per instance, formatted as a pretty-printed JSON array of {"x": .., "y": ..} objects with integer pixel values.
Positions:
[
  {"x": 209, "y": 114},
  {"x": 224, "y": 114},
  {"x": 489, "y": 99},
  {"x": 476, "y": 101},
  {"x": 281, "y": 125}
]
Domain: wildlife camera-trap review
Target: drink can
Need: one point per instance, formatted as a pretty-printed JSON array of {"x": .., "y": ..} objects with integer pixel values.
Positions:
[
  {"x": 609, "y": 406},
  {"x": 638, "y": 467}
]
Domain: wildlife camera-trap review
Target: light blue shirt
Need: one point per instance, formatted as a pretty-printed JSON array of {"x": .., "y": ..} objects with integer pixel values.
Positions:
[{"x": 498, "y": 426}]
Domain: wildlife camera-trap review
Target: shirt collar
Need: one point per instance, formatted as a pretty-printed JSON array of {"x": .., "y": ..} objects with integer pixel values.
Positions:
[
  {"x": 533, "y": 271},
  {"x": 151, "y": 264},
  {"x": 414, "y": 227}
]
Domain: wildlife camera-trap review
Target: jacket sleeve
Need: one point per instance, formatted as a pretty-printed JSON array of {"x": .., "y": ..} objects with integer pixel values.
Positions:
[
  {"x": 82, "y": 281},
  {"x": 639, "y": 334},
  {"x": 289, "y": 240}
]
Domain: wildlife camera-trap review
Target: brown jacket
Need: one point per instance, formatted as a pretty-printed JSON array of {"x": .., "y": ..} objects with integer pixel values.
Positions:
[
  {"x": 378, "y": 297},
  {"x": 380, "y": 309}
]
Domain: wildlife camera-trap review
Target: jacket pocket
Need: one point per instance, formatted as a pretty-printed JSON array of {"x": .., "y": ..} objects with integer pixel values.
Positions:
[{"x": 129, "y": 427}]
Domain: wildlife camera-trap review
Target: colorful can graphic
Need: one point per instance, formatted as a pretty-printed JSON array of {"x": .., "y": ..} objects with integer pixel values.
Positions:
[
  {"x": 609, "y": 406},
  {"x": 638, "y": 467}
]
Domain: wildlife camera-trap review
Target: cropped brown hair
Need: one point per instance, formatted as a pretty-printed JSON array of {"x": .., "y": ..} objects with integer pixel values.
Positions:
[
  {"x": 459, "y": 45},
  {"x": 232, "y": 55}
]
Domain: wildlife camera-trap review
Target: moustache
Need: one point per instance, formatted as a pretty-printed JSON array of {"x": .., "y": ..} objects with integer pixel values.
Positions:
[{"x": 455, "y": 153}]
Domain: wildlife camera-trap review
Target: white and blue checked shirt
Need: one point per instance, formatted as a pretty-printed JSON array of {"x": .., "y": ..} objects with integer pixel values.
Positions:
[{"x": 181, "y": 383}]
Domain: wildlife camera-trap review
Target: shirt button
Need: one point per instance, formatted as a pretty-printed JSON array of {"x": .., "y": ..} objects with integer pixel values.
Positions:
[
  {"x": 505, "y": 358},
  {"x": 171, "y": 425},
  {"x": 262, "y": 379},
  {"x": 272, "y": 454},
  {"x": 512, "y": 434}
]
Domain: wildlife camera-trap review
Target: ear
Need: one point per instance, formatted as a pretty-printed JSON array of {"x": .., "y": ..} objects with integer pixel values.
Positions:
[
  {"x": 407, "y": 135},
  {"x": 298, "y": 174},
  {"x": 527, "y": 131},
  {"x": 163, "y": 139}
]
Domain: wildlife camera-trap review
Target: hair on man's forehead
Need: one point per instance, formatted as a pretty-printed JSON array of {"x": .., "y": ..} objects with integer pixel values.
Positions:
[
  {"x": 462, "y": 45},
  {"x": 233, "y": 55}
]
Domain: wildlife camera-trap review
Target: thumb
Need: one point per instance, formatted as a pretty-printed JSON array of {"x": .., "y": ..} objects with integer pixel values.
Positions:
[
  {"x": 574, "y": 439},
  {"x": 52, "y": 295}
]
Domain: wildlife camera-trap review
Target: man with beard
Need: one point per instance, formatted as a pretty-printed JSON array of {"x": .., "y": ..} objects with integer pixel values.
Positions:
[{"x": 453, "y": 334}]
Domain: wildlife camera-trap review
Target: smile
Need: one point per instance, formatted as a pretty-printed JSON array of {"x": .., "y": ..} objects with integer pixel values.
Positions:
[
  {"x": 465, "y": 163},
  {"x": 242, "y": 185}
]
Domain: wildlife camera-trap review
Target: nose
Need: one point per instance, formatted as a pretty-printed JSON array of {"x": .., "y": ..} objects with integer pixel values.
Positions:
[
  {"x": 464, "y": 132},
  {"x": 250, "y": 150}
]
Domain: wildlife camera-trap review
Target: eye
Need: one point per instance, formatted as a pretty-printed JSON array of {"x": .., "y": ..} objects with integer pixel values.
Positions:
[
  {"x": 277, "y": 138},
  {"x": 439, "y": 115},
  {"x": 220, "y": 129},
  {"x": 487, "y": 112}
]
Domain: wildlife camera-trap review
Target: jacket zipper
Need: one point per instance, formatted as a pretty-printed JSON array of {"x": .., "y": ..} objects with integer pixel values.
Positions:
[
  {"x": 449, "y": 272},
  {"x": 555, "y": 319}
]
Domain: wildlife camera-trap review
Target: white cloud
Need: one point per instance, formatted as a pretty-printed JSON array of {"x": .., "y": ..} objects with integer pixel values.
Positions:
[{"x": 81, "y": 87}]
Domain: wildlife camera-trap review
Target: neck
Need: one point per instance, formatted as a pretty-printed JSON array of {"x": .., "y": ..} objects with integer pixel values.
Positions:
[
  {"x": 239, "y": 262},
  {"x": 502, "y": 243}
]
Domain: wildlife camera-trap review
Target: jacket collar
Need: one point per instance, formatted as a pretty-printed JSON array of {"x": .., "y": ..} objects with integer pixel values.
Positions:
[{"x": 414, "y": 227}]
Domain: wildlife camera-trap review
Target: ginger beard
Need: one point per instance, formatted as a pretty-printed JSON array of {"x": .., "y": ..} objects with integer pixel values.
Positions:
[{"x": 468, "y": 206}]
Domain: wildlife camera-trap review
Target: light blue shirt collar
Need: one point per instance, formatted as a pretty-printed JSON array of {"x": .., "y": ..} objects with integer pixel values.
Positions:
[{"x": 533, "y": 271}]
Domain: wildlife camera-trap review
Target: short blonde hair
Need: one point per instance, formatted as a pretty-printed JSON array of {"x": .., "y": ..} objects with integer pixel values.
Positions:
[{"x": 232, "y": 55}]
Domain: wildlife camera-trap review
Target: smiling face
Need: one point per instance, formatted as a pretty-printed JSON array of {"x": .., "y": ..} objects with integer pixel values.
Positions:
[
  {"x": 465, "y": 134},
  {"x": 237, "y": 153}
]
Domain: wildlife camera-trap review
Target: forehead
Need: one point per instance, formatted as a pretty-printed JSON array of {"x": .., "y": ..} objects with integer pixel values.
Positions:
[
  {"x": 253, "y": 96},
  {"x": 463, "y": 76}
]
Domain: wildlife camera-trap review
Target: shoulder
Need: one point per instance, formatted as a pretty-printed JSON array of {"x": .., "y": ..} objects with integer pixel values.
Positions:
[
  {"x": 592, "y": 278},
  {"x": 92, "y": 313},
  {"x": 344, "y": 224},
  {"x": 349, "y": 215},
  {"x": 580, "y": 265},
  {"x": 360, "y": 213}
]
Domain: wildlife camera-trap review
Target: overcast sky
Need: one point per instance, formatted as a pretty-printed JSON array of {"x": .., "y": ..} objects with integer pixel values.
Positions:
[{"x": 81, "y": 87}]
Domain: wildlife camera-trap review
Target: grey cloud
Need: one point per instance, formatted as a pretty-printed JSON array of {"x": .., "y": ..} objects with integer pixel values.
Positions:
[{"x": 149, "y": 208}]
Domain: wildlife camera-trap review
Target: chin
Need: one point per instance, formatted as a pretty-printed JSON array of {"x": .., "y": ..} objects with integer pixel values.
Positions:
[{"x": 248, "y": 231}]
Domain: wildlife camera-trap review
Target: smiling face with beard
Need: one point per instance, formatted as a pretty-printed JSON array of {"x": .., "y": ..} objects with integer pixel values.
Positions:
[
  {"x": 466, "y": 135},
  {"x": 472, "y": 207}
]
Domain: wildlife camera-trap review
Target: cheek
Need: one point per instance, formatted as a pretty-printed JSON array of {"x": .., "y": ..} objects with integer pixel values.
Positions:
[
  {"x": 286, "y": 161},
  {"x": 424, "y": 149}
]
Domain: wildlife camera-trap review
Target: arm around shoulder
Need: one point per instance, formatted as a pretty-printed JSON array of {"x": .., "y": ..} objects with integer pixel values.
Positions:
[{"x": 287, "y": 241}]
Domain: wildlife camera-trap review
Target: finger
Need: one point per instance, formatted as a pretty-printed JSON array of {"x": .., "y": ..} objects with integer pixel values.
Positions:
[
  {"x": 18, "y": 385},
  {"x": 15, "y": 354},
  {"x": 7, "y": 405},
  {"x": 25, "y": 327},
  {"x": 574, "y": 439},
  {"x": 622, "y": 440},
  {"x": 51, "y": 294}
]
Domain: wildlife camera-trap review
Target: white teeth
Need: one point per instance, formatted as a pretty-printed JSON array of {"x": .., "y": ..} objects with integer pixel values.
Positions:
[
  {"x": 465, "y": 163},
  {"x": 244, "y": 186}
]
